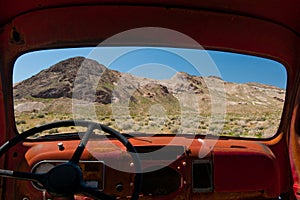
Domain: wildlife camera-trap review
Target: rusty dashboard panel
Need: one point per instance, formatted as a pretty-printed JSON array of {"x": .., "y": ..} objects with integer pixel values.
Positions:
[{"x": 232, "y": 167}]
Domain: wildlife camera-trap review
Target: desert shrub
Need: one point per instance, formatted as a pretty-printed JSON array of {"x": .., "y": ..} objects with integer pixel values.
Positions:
[
  {"x": 40, "y": 115},
  {"x": 18, "y": 122},
  {"x": 136, "y": 128},
  {"x": 152, "y": 123},
  {"x": 263, "y": 118},
  {"x": 108, "y": 123},
  {"x": 259, "y": 135},
  {"x": 125, "y": 125},
  {"x": 52, "y": 131},
  {"x": 175, "y": 130}
]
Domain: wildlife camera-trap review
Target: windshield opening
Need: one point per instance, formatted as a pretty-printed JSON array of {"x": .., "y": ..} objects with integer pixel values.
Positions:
[{"x": 150, "y": 90}]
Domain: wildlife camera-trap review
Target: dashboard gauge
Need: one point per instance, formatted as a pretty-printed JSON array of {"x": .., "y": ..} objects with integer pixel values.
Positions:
[
  {"x": 93, "y": 172},
  {"x": 43, "y": 168},
  {"x": 40, "y": 168}
]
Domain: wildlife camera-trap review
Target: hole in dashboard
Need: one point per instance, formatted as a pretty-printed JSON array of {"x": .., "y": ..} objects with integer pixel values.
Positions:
[
  {"x": 238, "y": 147},
  {"x": 202, "y": 176},
  {"x": 161, "y": 182}
]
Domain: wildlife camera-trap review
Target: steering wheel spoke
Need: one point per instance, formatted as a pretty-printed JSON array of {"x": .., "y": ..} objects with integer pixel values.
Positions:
[
  {"x": 22, "y": 175},
  {"x": 83, "y": 142}
]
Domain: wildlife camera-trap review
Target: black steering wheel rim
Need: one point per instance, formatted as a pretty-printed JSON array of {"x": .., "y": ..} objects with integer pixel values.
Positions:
[{"x": 88, "y": 191}]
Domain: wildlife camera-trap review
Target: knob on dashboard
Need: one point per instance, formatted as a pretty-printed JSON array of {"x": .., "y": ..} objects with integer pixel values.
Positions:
[
  {"x": 60, "y": 146},
  {"x": 119, "y": 187}
]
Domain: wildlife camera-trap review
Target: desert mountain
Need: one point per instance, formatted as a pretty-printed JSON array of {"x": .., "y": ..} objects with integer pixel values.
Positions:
[
  {"x": 57, "y": 82},
  {"x": 252, "y": 109}
]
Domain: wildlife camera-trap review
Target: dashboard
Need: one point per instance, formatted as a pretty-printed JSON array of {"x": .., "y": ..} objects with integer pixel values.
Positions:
[{"x": 232, "y": 168}]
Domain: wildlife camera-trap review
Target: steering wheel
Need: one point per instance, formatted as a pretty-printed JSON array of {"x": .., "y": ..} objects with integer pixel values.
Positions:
[{"x": 66, "y": 180}]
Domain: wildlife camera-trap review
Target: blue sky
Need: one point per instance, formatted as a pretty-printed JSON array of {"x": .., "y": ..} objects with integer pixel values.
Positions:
[{"x": 162, "y": 63}]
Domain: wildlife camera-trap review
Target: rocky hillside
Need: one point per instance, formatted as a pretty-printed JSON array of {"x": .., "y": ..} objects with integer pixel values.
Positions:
[
  {"x": 57, "y": 82},
  {"x": 55, "y": 85}
]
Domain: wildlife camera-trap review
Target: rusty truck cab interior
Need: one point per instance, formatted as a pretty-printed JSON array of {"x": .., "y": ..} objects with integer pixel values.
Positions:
[{"x": 149, "y": 99}]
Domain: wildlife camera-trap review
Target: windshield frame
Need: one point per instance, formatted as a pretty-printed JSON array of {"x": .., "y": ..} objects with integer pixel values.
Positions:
[{"x": 267, "y": 138}]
